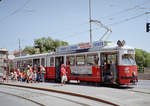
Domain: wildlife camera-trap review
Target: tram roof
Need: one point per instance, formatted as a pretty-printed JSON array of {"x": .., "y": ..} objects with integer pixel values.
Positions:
[
  {"x": 115, "y": 46},
  {"x": 106, "y": 47},
  {"x": 31, "y": 56}
]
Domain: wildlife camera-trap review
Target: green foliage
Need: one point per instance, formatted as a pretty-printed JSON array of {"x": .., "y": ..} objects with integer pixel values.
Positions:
[
  {"x": 142, "y": 58},
  {"x": 45, "y": 45},
  {"x": 29, "y": 50},
  {"x": 147, "y": 61},
  {"x": 106, "y": 42}
]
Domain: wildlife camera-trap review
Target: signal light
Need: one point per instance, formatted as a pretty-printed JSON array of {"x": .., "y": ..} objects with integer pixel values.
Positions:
[{"x": 147, "y": 27}]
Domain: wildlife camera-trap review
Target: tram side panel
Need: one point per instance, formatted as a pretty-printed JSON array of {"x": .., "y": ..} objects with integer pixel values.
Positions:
[
  {"x": 50, "y": 73},
  {"x": 95, "y": 75}
]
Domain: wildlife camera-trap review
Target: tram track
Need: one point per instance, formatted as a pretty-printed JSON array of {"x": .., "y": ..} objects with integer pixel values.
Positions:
[
  {"x": 38, "y": 103},
  {"x": 131, "y": 90},
  {"x": 65, "y": 93},
  {"x": 43, "y": 94}
]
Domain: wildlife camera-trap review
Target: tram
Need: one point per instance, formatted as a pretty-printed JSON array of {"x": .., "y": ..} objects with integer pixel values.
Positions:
[{"x": 97, "y": 62}]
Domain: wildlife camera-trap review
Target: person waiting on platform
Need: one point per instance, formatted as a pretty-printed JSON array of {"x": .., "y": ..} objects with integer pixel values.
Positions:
[
  {"x": 42, "y": 69},
  {"x": 63, "y": 75},
  {"x": 4, "y": 77}
]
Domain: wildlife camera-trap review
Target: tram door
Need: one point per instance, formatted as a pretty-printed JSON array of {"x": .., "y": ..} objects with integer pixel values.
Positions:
[
  {"x": 109, "y": 67},
  {"x": 58, "y": 62}
]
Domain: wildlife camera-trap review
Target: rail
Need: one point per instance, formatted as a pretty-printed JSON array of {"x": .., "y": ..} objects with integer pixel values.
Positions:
[{"x": 22, "y": 98}]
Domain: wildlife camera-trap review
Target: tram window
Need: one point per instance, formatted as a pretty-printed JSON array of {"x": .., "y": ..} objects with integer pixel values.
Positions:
[
  {"x": 128, "y": 59},
  {"x": 18, "y": 64},
  {"x": 81, "y": 60},
  {"x": 92, "y": 59},
  {"x": 43, "y": 62},
  {"x": 111, "y": 58},
  {"x": 27, "y": 62},
  {"x": 36, "y": 61},
  {"x": 51, "y": 61},
  {"x": 70, "y": 60}
]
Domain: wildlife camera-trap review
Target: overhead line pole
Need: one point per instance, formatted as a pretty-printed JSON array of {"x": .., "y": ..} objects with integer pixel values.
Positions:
[
  {"x": 19, "y": 48},
  {"x": 90, "y": 21}
]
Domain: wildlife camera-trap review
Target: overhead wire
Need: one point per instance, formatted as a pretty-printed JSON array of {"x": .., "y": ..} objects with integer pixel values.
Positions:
[
  {"x": 16, "y": 11},
  {"x": 78, "y": 33},
  {"x": 115, "y": 23},
  {"x": 58, "y": 33},
  {"x": 127, "y": 19},
  {"x": 74, "y": 34},
  {"x": 125, "y": 10}
]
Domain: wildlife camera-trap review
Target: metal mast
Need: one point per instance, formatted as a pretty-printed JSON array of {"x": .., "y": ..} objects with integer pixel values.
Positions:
[
  {"x": 19, "y": 48},
  {"x": 90, "y": 21}
]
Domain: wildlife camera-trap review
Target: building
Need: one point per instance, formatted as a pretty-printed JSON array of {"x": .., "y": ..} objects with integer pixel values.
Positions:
[
  {"x": 18, "y": 53},
  {"x": 3, "y": 60}
]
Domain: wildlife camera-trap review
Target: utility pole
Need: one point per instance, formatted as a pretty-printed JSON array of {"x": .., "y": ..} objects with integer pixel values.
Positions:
[
  {"x": 19, "y": 48},
  {"x": 90, "y": 21}
]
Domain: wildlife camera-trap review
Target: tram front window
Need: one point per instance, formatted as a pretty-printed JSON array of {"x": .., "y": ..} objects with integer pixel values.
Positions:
[{"x": 128, "y": 59}]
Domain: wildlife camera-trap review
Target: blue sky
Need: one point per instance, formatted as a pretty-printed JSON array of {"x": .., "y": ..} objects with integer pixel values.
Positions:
[{"x": 67, "y": 20}]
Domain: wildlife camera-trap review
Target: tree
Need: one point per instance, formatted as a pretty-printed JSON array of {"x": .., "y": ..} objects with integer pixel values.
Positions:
[
  {"x": 45, "y": 45},
  {"x": 30, "y": 50},
  {"x": 147, "y": 61},
  {"x": 39, "y": 43},
  {"x": 49, "y": 44},
  {"x": 58, "y": 43},
  {"x": 142, "y": 58}
]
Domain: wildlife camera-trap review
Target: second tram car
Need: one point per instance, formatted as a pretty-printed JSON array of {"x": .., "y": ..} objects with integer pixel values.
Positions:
[{"x": 97, "y": 62}]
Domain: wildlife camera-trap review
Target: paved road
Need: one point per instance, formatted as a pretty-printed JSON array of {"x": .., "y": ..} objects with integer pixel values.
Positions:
[
  {"x": 144, "y": 84},
  {"x": 45, "y": 98},
  {"x": 136, "y": 96},
  {"x": 9, "y": 100}
]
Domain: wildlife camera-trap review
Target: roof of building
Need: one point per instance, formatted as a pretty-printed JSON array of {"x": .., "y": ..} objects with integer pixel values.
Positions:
[{"x": 3, "y": 50}]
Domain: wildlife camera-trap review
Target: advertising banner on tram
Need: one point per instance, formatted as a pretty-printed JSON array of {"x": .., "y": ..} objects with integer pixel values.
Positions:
[{"x": 83, "y": 70}]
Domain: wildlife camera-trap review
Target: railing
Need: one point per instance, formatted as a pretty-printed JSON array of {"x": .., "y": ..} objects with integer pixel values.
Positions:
[{"x": 141, "y": 69}]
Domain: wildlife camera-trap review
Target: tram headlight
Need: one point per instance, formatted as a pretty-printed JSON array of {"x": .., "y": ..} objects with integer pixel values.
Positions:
[{"x": 134, "y": 73}]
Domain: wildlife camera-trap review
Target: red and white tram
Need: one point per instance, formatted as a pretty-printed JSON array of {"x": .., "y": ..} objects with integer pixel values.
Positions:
[{"x": 97, "y": 62}]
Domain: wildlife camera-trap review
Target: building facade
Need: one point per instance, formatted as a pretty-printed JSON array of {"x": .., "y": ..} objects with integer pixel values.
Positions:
[{"x": 3, "y": 60}]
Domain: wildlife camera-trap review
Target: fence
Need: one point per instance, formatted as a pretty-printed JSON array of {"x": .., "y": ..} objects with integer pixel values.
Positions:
[{"x": 141, "y": 69}]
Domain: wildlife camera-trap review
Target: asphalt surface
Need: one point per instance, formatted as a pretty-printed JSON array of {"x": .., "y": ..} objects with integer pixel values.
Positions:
[
  {"x": 143, "y": 84},
  {"x": 9, "y": 100},
  {"x": 45, "y": 98},
  {"x": 137, "y": 95}
]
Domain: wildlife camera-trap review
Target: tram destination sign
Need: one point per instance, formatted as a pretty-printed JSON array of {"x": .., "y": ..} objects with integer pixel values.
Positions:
[{"x": 80, "y": 46}]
